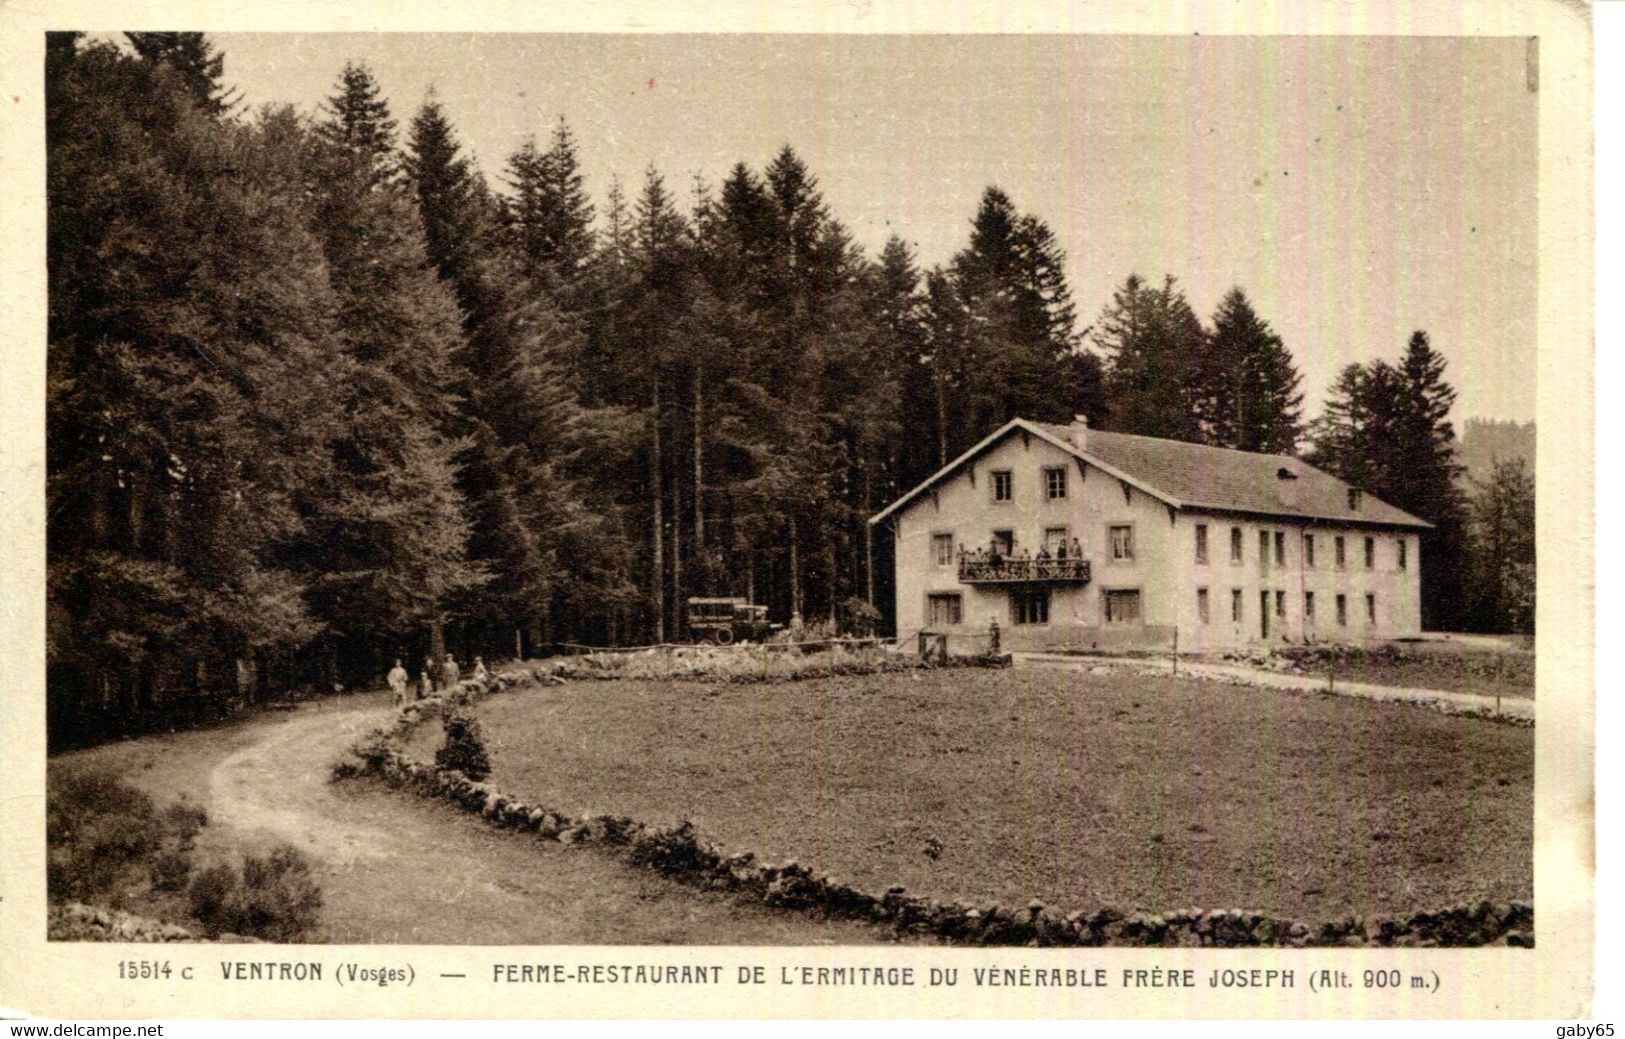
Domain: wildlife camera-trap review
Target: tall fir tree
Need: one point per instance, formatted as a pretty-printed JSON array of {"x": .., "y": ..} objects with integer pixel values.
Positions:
[
  {"x": 1430, "y": 484},
  {"x": 1247, "y": 390},
  {"x": 1387, "y": 429},
  {"x": 192, "y": 359},
  {"x": 1154, "y": 344},
  {"x": 1501, "y": 538},
  {"x": 521, "y": 410},
  {"x": 397, "y": 546},
  {"x": 194, "y": 59},
  {"x": 356, "y": 122}
]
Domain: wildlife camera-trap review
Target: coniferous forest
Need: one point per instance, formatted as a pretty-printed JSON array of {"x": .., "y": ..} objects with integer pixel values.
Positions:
[{"x": 321, "y": 394}]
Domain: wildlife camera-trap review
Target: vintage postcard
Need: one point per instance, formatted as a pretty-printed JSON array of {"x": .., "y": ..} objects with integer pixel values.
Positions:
[{"x": 845, "y": 509}]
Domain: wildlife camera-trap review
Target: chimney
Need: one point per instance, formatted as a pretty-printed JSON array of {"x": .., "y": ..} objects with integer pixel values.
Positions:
[
  {"x": 1286, "y": 488},
  {"x": 1078, "y": 432}
]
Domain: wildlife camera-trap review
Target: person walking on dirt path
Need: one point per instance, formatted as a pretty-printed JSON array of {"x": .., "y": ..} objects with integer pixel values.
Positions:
[
  {"x": 397, "y": 683},
  {"x": 452, "y": 672}
]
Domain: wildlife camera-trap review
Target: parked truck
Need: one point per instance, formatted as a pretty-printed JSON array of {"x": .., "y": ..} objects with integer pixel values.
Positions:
[{"x": 724, "y": 621}]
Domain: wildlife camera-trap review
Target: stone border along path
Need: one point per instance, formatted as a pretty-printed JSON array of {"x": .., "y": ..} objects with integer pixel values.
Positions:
[
  {"x": 678, "y": 852},
  {"x": 1509, "y": 709}
]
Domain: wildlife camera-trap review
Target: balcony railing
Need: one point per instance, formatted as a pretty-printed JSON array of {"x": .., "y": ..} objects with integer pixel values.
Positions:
[{"x": 989, "y": 571}]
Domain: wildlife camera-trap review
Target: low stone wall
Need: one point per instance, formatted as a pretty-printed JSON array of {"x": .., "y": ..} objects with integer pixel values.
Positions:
[{"x": 679, "y": 852}]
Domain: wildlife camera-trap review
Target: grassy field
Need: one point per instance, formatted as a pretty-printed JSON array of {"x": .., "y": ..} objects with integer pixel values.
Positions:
[
  {"x": 1081, "y": 790},
  {"x": 1435, "y": 665}
]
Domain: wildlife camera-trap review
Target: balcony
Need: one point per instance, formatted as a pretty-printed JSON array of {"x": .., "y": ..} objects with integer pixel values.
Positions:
[{"x": 1018, "y": 571}]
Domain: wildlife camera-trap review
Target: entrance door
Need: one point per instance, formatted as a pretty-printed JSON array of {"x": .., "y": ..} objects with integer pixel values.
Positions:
[{"x": 1263, "y": 615}]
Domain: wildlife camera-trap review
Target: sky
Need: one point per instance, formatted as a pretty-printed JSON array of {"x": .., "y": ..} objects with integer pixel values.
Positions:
[{"x": 1358, "y": 188}]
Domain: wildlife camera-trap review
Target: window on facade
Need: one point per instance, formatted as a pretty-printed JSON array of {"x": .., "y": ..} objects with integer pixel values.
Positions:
[
  {"x": 1029, "y": 605},
  {"x": 1235, "y": 605},
  {"x": 1263, "y": 549},
  {"x": 1308, "y": 550},
  {"x": 1337, "y": 551},
  {"x": 1402, "y": 553},
  {"x": 1004, "y": 542},
  {"x": 943, "y": 608},
  {"x": 1004, "y": 488},
  {"x": 1054, "y": 538},
  {"x": 1370, "y": 608},
  {"x": 1201, "y": 543},
  {"x": 1201, "y": 605},
  {"x": 1280, "y": 548},
  {"x": 1122, "y": 606},
  {"x": 1370, "y": 553},
  {"x": 1280, "y": 604},
  {"x": 1308, "y": 606},
  {"x": 942, "y": 549},
  {"x": 1235, "y": 544},
  {"x": 1055, "y": 482},
  {"x": 1343, "y": 610},
  {"x": 1122, "y": 538}
]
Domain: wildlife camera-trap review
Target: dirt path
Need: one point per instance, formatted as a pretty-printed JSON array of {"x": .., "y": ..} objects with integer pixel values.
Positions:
[{"x": 397, "y": 868}]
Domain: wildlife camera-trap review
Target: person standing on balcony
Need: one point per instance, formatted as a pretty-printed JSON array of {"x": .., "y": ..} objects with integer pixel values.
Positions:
[{"x": 1077, "y": 549}]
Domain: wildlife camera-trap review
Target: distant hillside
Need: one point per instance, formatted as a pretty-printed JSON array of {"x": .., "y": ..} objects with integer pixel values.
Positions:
[{"x": 1486, "y": 441}]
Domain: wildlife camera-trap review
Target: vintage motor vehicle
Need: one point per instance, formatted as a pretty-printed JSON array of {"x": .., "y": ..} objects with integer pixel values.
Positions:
[{"x": 723, "y": 621}]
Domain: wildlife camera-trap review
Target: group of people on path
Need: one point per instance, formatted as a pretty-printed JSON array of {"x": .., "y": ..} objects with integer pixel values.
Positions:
[{"x": 430, "y": 679}]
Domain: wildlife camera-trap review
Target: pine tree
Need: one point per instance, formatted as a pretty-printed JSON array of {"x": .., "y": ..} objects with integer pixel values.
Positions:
[
  {"x": 1001, "y": 335},
  {"x": 1247, "y": 391},
  {"x": 521, "y": 410},
  {"x": 194, "y": 59},
  {"x": 1386, "y": 429},
  {"x": 357, "y": 123},
  {"x": 1154, "y": 343},
  {"x": 397, "y": 544},
  {"x": 1429, "y": 475},
  {"x": 1501, "y": 529},
  {"x": 566, "y": 213},
  {"x": 192, "y": 362}
]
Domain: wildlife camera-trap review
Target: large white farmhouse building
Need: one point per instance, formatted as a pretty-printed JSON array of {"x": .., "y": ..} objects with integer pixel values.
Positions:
[{"x": 1069, "y": 537}]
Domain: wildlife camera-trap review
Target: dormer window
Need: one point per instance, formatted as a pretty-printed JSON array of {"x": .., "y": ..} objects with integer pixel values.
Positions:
[{"x": 1354, "y": 499}]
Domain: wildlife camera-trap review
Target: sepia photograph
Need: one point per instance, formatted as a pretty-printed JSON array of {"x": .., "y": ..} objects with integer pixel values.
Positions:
[{"x": 869, "y": 494}]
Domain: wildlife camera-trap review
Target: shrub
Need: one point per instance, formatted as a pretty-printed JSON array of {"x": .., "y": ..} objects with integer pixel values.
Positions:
[
  {"x": 464, "y": 749},
  {"x": 170, "y": 869},
  {"x": 100, "y": 835},
  {"x": 858, "y": 616},
  {"x": 209, "y": 896},
  {"x": 677, "y": 851},
  {"x": 184, "y": 820},
  {"x": 273, "y": 897}
]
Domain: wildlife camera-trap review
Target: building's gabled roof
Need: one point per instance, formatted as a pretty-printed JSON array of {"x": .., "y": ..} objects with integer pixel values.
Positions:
[{"x": 1201, "y": 478}]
